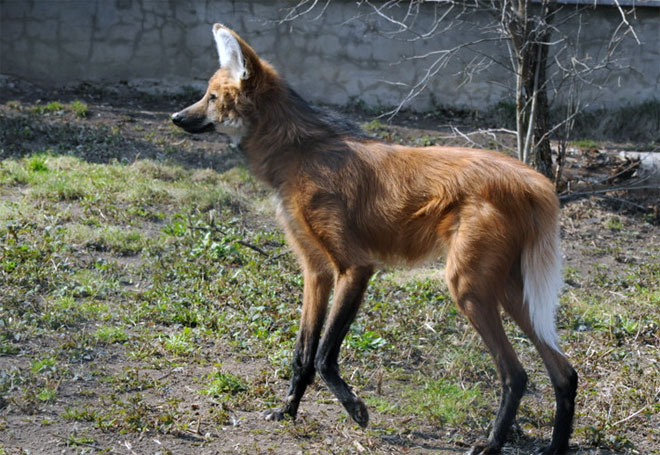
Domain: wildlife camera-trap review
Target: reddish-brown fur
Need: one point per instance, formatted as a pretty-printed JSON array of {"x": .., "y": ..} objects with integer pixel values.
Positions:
[{"x": 349, "y": 203}]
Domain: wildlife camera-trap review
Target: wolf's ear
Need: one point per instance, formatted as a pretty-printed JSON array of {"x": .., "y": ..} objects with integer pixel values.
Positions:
[{"x": 229, "y": 51}]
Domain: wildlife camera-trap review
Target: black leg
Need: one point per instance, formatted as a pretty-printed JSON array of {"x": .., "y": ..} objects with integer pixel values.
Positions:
[
  {"x": 565, "y": 392},
  {"x": 513, "y": 389},
  {"x": 486, "y": 319},
  {"x": 315, "y": 302},
  {"x": 349, "y": 291},
  {"x": 563, "y": 376}
]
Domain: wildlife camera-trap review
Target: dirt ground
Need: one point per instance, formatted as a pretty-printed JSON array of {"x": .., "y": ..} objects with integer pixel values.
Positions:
[{"x": 607, "y": 238}]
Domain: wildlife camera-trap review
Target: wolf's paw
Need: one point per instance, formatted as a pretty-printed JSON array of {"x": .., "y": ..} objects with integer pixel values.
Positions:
[
  {"x": 274, "y": 415},
  {"x": 358, "y": 411},
  {"x": 484, "y": 448},
  {"x": 552, "y": 450}
]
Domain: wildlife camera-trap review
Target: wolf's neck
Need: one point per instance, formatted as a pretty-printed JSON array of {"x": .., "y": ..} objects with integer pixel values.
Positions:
[{"x": 285, "y": 129}]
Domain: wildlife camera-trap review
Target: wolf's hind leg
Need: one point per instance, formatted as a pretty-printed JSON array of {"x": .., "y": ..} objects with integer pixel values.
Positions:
[{"x": 349, "y": 290}]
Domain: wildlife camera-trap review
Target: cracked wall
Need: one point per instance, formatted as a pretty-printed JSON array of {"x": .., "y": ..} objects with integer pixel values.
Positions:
[{"x": 334, "y": 59}]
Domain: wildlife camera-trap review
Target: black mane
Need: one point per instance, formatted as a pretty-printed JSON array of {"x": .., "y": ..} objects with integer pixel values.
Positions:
[{"x": 325, "y": 118}]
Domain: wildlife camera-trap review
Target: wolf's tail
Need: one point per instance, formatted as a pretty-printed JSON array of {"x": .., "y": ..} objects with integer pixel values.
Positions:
[{"x": 542, "y": 281}]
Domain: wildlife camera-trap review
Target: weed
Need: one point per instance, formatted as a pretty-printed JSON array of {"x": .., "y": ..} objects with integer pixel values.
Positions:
[
  {"x": 374, "y": 126},
  {"x": 614, "y": 223},
  {"x": 219, "y": 416},
  {"x": 8, "y": 348},
  {"x": 47, "y": 365},
  {"x": 47, "y": 394},
  {"x": 364, "y": 341},
  {"x": 124, "y": 242},
  {"x": 79, "y": 108},
  {"x": 110, "y": 334},
  {"x": 86, "y": 414},
  {"x": 74, "y": 440},
  {"x": 221, "y": 384},
  {"x": 37, "y": 163},
  {"x": 425, "y": 141},
  {"x": 130, "y": 380},
  {"x": 180, "y": 343},
  {"x": 67, "y": 312}
]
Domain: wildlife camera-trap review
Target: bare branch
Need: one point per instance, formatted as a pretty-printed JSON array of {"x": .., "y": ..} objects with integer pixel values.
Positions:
[
  {"x": 540, "y": 80},
  {"x": 624, "y": 19},
  {"x": 293, "y": 13}
]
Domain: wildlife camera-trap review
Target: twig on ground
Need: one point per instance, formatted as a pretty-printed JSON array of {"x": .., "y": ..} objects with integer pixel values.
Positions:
[
  {"x": 277, "y": 256},
  {"x": 624, "y": 201},
  {"x": 634, "y": 414},
  {"x": 610, "y": 178},
  {"x": 576, "y": 194},
  {"x": 253, "y": 247}
]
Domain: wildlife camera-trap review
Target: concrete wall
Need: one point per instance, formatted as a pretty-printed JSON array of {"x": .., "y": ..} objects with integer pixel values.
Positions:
[{"x": 334, "y": 58}]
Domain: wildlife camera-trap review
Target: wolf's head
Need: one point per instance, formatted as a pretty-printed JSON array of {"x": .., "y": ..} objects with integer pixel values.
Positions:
[{"x": 225, "y": 105}]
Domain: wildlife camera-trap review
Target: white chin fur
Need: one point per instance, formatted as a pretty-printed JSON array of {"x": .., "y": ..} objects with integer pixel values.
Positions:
[{"x": 235, "y": 129}]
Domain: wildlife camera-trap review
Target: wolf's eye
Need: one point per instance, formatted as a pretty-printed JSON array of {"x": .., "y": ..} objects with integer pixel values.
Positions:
[{"x": 212, "y": 97}]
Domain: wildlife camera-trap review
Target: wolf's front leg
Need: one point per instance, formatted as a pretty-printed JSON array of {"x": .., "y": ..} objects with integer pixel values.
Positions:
[{"x": 315, "y": 302}]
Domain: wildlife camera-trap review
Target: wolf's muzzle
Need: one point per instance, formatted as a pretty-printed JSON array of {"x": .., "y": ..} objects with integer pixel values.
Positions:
[{"x": 191, "y": 123}]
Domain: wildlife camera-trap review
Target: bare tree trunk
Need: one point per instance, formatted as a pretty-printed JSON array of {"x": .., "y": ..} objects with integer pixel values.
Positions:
[
  {"x": 531, "y": 43},
  {"x": 542, "y": 155}
]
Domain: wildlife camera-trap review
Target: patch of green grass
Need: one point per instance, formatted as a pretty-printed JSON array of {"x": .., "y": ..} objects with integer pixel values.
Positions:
[
  {"x": 365, "y": 340},
  {"x": 110, "y": 334},
  {"x": 119, "y": 192},
  {"x": 85, "y": 414},
  {"x": 8, "y": 348},
  {"x": 13, "y": 173},
  {"x": 37, "y": 163},
  {"x": 585, "y": 144},
  {"x": 374, "y": 126},
  {"x": 121, "y": 241},
  {"x": 130, "y": 380},
  {"x": 445, "y": 402},
  {"x": 79, "y": 108},
  {"x": 67, "y": 311},
  {"x": 221, "y": 384},
  {"x": 50, "y": 107},
  {"x": 180, "y": 343},
  {"x": 93, "y": 283},
  {"x": 61, "y": 184},
  {"x": 47, "y": 394},
  {"x": 614, "y": 223},
  {"x": 75, "y": 440},
  {"x": 46, "y": 365}
]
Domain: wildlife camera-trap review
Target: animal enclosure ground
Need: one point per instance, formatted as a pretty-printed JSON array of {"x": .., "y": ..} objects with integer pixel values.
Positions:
[{"x": 149, "y": 304}]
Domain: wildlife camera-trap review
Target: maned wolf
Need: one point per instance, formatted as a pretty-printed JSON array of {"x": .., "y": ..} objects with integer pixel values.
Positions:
[{"x": 349, "y": 203}]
